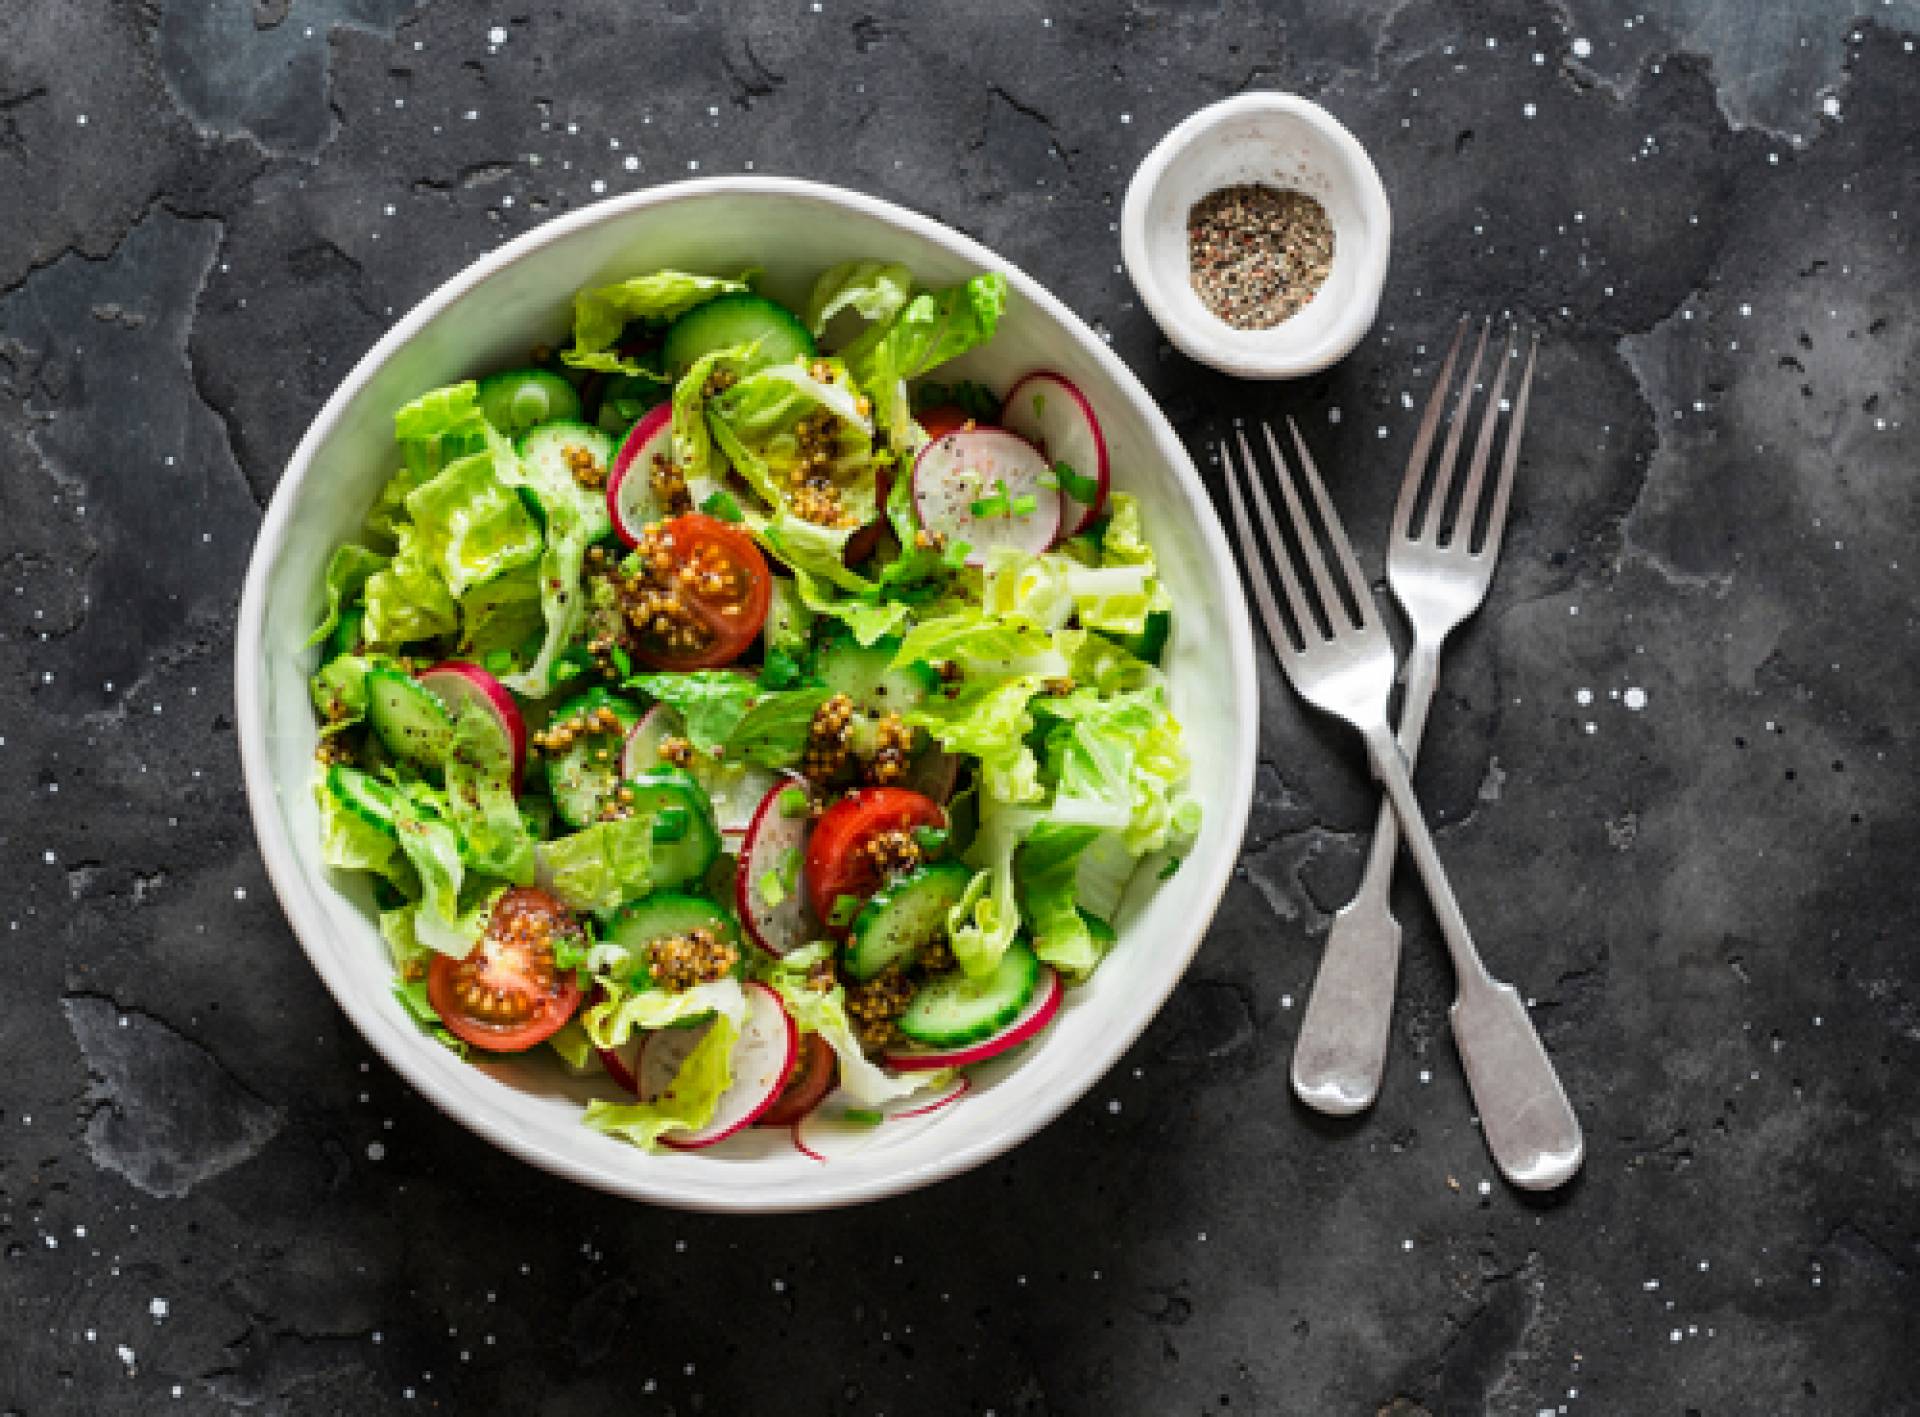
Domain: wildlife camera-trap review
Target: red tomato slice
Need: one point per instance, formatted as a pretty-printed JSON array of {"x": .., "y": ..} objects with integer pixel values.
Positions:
[
  {"x": 509, "y": 994},
  {"x": 838, "y": 862},
  {"x": 722, "y": 585},
  {"x": 942, "y": 419},
  {"x": 815, "y": 1068}
]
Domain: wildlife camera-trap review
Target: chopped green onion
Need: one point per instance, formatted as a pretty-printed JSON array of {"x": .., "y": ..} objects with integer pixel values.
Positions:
[
  {"x": 932, "y": 840},
  {"x": 1025, "y": 505},
  {"x": 773, "y": 890},
  {"x": 1173, "y": 864},
  {"x": 863, "y": 1116},
  {"x": 845, "y": 907},
  {"x": 621, "y": 661},
  {"x": 497, "y": 661},
  {"x": 672, "y": 824},
  {"x": 724, "y": 505},
  {"x": 1084, "y": 490},
  {"x": 794, "y": 802}
]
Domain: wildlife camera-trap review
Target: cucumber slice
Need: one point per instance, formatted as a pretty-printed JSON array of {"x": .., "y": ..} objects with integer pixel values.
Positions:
[
  {"x": 735, "y": 319},
  {"x": 905, "y": 915},
  {"x": 667, "y": 913},
  {"x": 364, "y": 795},
  {"x": 954, "y": 1009},
  {"x": 583, "y": 777},
  {"x": 408, "y": 717},
  {"x": 524, "y": 398},
  {"x": 865, "y": 674},
  {"x": 550, "y": 454},
  {"x": 685, "y": 838}
]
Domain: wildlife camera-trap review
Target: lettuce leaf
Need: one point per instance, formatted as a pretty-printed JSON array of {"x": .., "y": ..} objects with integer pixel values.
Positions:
[
  {"x": 438, "y": 414},
  {"x": 692, "y": 434},
  {"x": 687, "y": 1103},
  {"x": 869, "y": 621},
  {"x": 433, "y": 847},
  {"x": 989, "y": 720},
  {"x": 503, "y": 618},
  {"x": 349, "y": 842},
  {"x": 600, "y": 314},
  {"x": 875, "y": 290},
  {"x": 1033, "y": 588},
  {"x": 473, "y": 526},
  {"x": 773, "y": 733},
  {"x": 710, "y": 702},
  {"x": 987, "y": 916},
  {"x": 601, "y": 867},
  {"x": 406, "y": 599},
  {"x": 493, "y": 835},
  {"x": 932, "y": 328},
  {"x": 611, "y": 1021},
  {"x": 769, "y": 425},
  {"x": 1124, "y": 542},
  {"x": 1046, "y": 877},
  {"x": 347, "y": 572},
  {"x": 825, "y": 1013},
  {"x": 339, "y": 692},
  {"x": 410, "y": 957}
]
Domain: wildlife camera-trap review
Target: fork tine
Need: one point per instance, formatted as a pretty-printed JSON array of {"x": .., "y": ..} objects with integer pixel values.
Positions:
[
  {"x": 1337, "y": 534},
  {"x": 1443, "y": 476},
  {"x": 1423, "y": 441},
  {"x": 1483, "y": 445},
  {"x": 1303, "y": 530},
  {"x": 1297, "y": 597},
  {"x": 1277, "y": 635},
  {"x": 1510, "y": 456}
]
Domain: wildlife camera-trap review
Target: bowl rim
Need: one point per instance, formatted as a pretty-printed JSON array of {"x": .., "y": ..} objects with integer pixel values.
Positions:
[
  {"x": 282, "y": 858},
  {"x": 1223, "y": 351}
]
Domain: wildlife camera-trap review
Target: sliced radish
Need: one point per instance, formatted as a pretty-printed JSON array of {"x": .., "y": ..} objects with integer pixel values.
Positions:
[
  {"x": 1049, "y": 412},
  {"x": 736, "y": 788},
  {"x": 457, "y": 683},
  {"x": 775, "y": 844},
  {"x": 934, "y": 773},
  {"x": 828, "y": 1133},
  {"x": 630, "y": 498},
  {"x": 1038, "y": 1013},
  {"x": 762, "y": 1057},
  {"x": 982, "y": 468}
]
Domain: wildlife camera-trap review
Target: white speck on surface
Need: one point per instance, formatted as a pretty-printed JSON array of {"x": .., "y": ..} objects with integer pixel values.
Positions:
[
  {"x": 1583, "y": 697},
  {"x": 1528, "y": 110},
  {"x": 126, "y": 1355},
  {"x": 1113, "y": 1104},
  {"x": 1592, "y": 727},
  {"x": 376, "y": 1150},
  {"x": 1635, "y": 699},
  {"x": 1830, "y": 106},
  {"x": 598, "y": 186},
  {"x": 497, "y": 35},
  {"x": 1583, "y": 49},
  {"x": 158, "y": 1308},
  {"x": 1426, "y": 1076},
  {"x": 1406, "y": 1244}
]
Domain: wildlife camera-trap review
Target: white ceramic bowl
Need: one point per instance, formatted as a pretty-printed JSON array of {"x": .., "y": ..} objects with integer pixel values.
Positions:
[
  {"x": 1284, "y": 141},
  {"x": 488, "y": 316}
]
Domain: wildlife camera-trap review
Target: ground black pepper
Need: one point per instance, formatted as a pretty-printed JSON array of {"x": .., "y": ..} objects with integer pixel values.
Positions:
[{"x": 1257, "y": 254}]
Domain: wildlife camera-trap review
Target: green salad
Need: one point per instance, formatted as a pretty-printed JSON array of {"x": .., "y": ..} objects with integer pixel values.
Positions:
[{"x": 747, "y": 710}]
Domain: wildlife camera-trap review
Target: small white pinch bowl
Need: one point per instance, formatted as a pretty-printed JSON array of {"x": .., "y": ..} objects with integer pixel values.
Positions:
[
  {"x": 1284, "y": 141},
  {"x": 486, "y": 317}
]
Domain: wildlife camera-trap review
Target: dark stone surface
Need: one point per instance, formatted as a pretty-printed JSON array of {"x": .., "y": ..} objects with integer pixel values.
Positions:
[{"x": 211, "y": 1198}]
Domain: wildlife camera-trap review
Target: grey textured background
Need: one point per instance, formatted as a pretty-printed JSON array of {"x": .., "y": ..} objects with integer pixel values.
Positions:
[{"x": 211, "y": 1198}]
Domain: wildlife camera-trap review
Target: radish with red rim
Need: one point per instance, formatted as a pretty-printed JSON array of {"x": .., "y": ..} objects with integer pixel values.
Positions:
[
  {"x": 736, "y": 789},
  {"x": 1048, "y": 411},
  {"x": 631, "y": 501},
  {"x": 769, "y": 889},
  {"x": 456, "y": 683},
  {"x": 1038, "y": 1013},
  {"x": 985, "y": 488},
  {"x": 762, "y": 1057},
  {"x": 837, "y": 1128}
]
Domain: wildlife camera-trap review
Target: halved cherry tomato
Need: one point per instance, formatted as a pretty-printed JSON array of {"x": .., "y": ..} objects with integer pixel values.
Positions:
[
  {"x": 509, "y": 993},
  {"x": 838, "y": 861},
  {"x": 721, "y": 584},
  {"x": 942, "y": 419},
  {"x": 815, "y": 1067}
]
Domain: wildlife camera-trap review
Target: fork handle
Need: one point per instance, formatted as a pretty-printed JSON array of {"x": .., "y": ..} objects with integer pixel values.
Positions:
[
  {"x": 1341, "y": 1051},
  {"x": 1525, "y": 1117}
]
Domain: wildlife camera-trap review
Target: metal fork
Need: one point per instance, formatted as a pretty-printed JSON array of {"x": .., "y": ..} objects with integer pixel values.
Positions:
[
  {"x": 1336, "y": 652},
  {"x": 1342, "y": 1048}
]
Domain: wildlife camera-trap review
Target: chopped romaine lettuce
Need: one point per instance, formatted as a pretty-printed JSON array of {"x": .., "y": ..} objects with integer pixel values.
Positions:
[
  {"x": 601, "y": 867},
  {"x": 932, "y": 328},
  {"x": 874, "y": 290},
  {"x": 407, "y": 600},
  {"x": 600, "y": 314},
  {"x": 494, "y": 838},
  {"x": 686, "y": 1105},
  {"x": 471, "y": 525},
  {"x": 825, "y": 1012},
  {"x": 347, "y": 572},
  {"x": 710, "y": 702}
]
